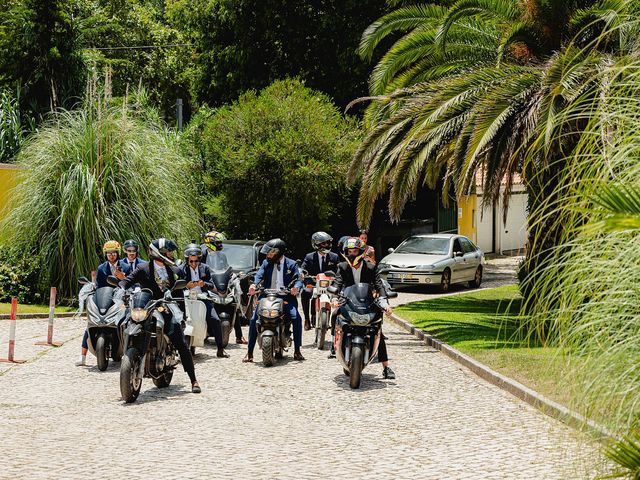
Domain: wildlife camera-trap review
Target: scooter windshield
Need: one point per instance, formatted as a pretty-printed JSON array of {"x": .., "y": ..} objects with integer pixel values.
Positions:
[
  {"x": 141, "y": 298},
  {"x": 217, "y": 261},
  {"x": 359, "y": 297},
  {"x": 103, "y": 298}
]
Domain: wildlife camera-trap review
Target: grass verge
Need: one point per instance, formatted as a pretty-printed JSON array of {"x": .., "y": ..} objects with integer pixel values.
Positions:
[
  {"x": 5, "y": 308},
  {"x": 483, "y": 325}
]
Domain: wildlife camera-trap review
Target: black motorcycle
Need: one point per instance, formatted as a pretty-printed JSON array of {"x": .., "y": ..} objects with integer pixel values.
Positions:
[
  {"x": 358, "y": 328},
  {"x": 223, "y": 295},
  {"x": 148, "y": 349}
]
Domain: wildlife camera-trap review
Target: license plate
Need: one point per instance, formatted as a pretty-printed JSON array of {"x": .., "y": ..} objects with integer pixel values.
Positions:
[{"x": 401, "y": 276}]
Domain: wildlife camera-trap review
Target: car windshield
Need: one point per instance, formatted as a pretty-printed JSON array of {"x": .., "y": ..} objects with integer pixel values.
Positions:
[
  {"x": 424, "y": 245},
  {"x": 240, "y": 257}
]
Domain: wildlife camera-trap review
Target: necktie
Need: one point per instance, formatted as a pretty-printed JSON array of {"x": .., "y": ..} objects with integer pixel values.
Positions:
[
  {"x": 320, "y": 262},
  {"x": 274, "y": 277}
]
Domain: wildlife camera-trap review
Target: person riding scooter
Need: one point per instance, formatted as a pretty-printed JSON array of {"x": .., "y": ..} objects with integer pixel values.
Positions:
[
  {"x": 213, "y": 246},
  {"x": 321, "y": 260},
  {"x": 358, "y": 269},
  {"x": 198, "y": 277},
  {"x": 111, "y": 250},
  {"x": 159, "y": 275},
  {"x": 278, "y": 271}
]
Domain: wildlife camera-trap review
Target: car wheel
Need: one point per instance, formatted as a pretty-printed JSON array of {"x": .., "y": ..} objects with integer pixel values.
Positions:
[
  {"x": 445, "y": 282},
  {"x": 477, "y": 279}
]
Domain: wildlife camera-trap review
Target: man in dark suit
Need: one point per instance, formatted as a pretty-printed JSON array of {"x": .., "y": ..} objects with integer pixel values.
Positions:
[
  {"x": 321, "y": 260},
  {"x": 160, "y": 275},
  {"x": 278, "y": 271},
  {"x": 131, "y": 262},
  {"x": 198, "y": 277},
  {"x": 111, "y": 266},
  {"x": 358, "y": 269}
]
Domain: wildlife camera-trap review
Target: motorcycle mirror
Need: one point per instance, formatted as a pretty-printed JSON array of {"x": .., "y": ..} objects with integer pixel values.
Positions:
[
  {"x": 330, "y": 273},
  {"x": 113, "y": 281},
  {"x": 179, "y": 285},
  {"x": 332, "y": 289},
  {"x": 83, "y": 280},
  {"x": 392, "y": 294}
]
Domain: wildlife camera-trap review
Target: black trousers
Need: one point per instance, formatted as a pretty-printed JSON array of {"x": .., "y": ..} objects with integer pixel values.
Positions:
[
  {"x": 307, "y": 305},
  {"x": 177, "y": 338},
  {"x": 214, "y": 327}
]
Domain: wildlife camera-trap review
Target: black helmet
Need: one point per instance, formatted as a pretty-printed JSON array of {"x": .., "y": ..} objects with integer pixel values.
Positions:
[
  {"x": 275, "y": 245},
  {"x": 319, "y": 238},
  {"x": 192, "y": 250},
  {"x": 159, "y": 248},
  {"x": 130, "y": 244}
]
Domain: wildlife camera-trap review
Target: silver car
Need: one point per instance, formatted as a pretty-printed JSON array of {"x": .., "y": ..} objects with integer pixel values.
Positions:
[{"x": 434, "y": 259}]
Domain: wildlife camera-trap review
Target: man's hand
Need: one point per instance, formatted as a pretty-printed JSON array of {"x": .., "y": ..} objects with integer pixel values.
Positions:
[
  {"x": 191, "y": 285},
  {"x": 388, "y": 310},
  {"x": 200, "y": 283},
  {"x": 295, "y": 291},
  {"x": 119, "y": 275},
  {"x": 252, "y": 289}
]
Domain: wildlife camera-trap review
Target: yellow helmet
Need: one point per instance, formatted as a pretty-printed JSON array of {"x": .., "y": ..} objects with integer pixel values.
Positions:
[
  {"x": 112, "y": 246},
  {"x": 213, "y": 240}
]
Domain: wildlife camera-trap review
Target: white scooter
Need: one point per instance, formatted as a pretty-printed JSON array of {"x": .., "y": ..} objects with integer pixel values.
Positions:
[{"x": 195, "y": 331}]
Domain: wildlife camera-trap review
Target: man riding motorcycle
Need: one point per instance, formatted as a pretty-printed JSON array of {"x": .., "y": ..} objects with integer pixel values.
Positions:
[
  {"x": 198, "y": 277},
  {"x": 358, "y": 269},
  {"x": 278, "y": 271},
  {"x": 111, "y": 250},
  {"x": 159, "y": 275},
  {"x": 213, "y": 245},
  {"x": 321, "y": 260}
]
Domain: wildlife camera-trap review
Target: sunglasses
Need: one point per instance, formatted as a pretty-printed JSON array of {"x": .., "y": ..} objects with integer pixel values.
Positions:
[{"x": 193, "y": 262}]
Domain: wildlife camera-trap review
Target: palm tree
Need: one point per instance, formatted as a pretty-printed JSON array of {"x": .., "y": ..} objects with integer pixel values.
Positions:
[{"x": 480, "y": 84}]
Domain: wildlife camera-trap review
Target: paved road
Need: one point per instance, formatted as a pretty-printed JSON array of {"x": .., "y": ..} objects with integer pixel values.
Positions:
[
  {"x": 498, "y": 271},
  {"x": 296, "y": 420}
]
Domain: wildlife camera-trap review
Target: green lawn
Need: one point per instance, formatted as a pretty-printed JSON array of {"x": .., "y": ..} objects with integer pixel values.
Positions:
[
  {"x": 5, "y": 308},
  {"x": 483, "y": 325}
]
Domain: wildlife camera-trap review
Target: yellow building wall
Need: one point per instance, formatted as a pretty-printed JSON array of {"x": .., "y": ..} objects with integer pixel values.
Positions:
[
  {"x": 466, "y": 213},
  {"x": 9, "y": 178}
]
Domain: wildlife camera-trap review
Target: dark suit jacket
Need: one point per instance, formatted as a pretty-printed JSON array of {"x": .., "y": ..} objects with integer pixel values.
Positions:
[
  {"x": 126, "y": 268},
  {"x": 291, "y": 272},
  {"x": 144, "y": 276},
  {"x": 344, "y": 276},
  {"x": 203, "y": 271},
  {"x": 311, "y": 263},
  {"x": 104, "y": 270}
]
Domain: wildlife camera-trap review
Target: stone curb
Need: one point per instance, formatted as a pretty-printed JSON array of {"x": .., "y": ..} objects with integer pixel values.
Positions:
[
  {"x": 533, "y": 398},
  {"x": 24, "y": 316}
]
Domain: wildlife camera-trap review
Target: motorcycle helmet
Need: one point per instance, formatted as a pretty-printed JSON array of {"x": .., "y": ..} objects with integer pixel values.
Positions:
[
  {"x": 213, "y": 240},
  {"x": 192, "y": 250},
  {"x": 130, "y": 244},
  {"x": 161, "y": 249},
  {"x": 341, "y": 242},
  {"x": 321, "y": 241},
  {"x": 111, "y": 246},
  {"x": 276, "y": 246},
  {"x": 350, "y": 244}
]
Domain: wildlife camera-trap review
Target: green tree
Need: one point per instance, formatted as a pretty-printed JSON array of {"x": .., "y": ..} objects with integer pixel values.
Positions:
[
  {"x": 101, "y": 172},
  {"x": 275, "y": 163},
  {"x": 40, "y": 53},
  {"x": 248, "y": 44}
]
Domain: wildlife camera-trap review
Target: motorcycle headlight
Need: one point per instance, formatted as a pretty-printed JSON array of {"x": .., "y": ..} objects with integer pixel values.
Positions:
[
  {"x": 324, "y": 283},
  {"x": 138, "y": 314},
  {"x": 270, "y": 312}
]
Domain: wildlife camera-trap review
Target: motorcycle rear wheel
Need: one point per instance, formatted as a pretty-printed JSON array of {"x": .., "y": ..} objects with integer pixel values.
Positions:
[
  {"x": 130, "y": 383},
  {"x": 356, "y": 366},
  {"x": 164, "y": 380},
  {"x": 226, "y": 331},
  {"x": 101, "y": 352},
  {"x": 323, "y": 322},
  {"x": 267, "y": 351}
]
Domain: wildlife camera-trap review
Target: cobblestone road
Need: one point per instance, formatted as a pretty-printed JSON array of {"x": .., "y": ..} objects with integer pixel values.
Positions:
[{"x": 296, "y": 420}]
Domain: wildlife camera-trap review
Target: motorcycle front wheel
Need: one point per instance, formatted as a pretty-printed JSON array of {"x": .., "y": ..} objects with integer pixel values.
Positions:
[
  {"x": 323, "y": 323},
  {"x": 267, "y": 351},
  {"x": 130, "y": 381},
  {"x": 356, "y": 364},
  {"x": 164, "y": 380},
  {"x": 226, "y": 331},
  {"x": 101, "y": 352}
]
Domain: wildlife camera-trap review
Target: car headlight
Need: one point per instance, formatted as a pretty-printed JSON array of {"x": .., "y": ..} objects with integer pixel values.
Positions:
[
  {"x": 138, "y": 314},
  {"x": 425, "y": 267}
]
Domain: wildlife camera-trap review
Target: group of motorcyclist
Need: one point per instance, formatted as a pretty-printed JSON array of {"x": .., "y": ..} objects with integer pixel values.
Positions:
[{"x": 276, "y": 271}]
